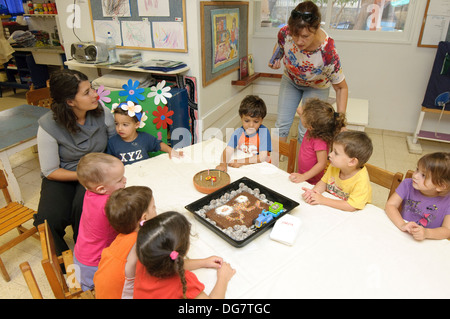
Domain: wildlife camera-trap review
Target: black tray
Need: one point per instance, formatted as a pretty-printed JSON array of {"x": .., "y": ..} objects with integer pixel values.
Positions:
[{"x": 288, "y": 205}]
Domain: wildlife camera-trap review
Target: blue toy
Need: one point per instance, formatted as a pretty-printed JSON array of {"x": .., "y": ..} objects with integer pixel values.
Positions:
[{"x": 263, "y": 218}]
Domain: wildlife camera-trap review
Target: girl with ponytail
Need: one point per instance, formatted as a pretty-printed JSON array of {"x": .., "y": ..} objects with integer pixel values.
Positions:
[{"x": 161, "y": 271}]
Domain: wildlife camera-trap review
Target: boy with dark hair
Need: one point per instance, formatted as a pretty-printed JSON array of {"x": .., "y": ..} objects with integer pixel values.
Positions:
[{"x": 252, "y": 137}]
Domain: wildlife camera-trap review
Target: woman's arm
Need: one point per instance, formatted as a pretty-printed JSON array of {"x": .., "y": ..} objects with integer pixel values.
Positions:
[
  {"x": 49, "y": 158},
  {"x": 341, "y": 96}
]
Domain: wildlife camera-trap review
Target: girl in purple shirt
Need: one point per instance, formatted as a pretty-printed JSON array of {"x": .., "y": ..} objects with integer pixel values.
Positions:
[{"x": 425, "y": 199}]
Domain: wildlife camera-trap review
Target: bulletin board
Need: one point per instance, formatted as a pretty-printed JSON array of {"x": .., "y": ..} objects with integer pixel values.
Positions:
[
  {"x": 435, "y": 24},
  {"x": 158, "y": 25}
]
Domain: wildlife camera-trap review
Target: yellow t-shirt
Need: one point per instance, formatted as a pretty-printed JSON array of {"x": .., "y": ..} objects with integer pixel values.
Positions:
[{"x": 356, "y": 190}]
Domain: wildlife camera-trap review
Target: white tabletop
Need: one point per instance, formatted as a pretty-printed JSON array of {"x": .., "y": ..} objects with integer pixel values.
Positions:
[{"x": 336, "y": 254}]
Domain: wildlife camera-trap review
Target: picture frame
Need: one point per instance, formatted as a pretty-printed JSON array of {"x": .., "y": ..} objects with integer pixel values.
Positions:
[
  {"x": 243, "y": 67},
  {"x": 224, "y": 37},
  {"x": 251, "y": 65}
]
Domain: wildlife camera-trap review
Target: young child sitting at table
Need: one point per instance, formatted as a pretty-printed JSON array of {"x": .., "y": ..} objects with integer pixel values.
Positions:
[
  {"x": 130, "y": 145},
  {"x": 346, "y": 176},
  {"x": 125, "y": 210},
  {"x": 252, "y": 137},
  {"x": 425, "y": 199},
  {"x": 322, "y": 124},
  {"x": 101, "y": 174},
  {"x": 161, "y": 272}
]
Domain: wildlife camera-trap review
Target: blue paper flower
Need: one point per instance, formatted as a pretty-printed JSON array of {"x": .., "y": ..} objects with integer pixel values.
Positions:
[{"x": 132, "y": 91}]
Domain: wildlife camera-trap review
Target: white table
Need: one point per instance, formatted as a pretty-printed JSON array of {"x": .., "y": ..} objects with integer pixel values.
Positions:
[{"x": 336, "y": 254}]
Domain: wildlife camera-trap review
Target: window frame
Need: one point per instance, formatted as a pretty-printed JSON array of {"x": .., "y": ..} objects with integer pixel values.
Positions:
[{"x": 405, "y": 37}]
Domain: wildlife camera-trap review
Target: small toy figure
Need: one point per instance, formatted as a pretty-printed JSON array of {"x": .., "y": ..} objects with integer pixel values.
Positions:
[
  {"x": 263, "y": 218},
  {"x": 276, "y": 209}
]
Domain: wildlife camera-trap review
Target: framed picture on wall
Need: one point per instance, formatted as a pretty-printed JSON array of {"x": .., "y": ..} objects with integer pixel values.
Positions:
[{"x": 224, "y": 37}]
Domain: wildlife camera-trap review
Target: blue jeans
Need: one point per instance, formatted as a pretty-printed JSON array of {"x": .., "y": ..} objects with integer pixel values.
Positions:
[{"x": 289, "y": 99}]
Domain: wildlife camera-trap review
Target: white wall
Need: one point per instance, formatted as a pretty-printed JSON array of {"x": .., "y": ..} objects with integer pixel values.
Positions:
[{"x": 393, "y": 77}]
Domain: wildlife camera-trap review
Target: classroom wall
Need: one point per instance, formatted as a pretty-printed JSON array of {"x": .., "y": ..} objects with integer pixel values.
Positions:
[{"x": 393, "y": 77}]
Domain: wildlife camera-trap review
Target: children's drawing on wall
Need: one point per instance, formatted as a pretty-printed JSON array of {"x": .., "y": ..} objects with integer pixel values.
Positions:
[
  {"x": 136, "y": 34},
  {"x": 116, "y": 8},
  {"x": 225, "y": 38},
  {"x": 168, "y": 35},
  {"x": 153, "y": 8},
  {"x": 102, "y": 27}
]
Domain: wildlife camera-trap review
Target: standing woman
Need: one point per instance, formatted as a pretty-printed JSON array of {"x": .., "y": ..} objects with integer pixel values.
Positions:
[
  {"x": 311, "y": 63},
  {"x": 77, "y": 125}
]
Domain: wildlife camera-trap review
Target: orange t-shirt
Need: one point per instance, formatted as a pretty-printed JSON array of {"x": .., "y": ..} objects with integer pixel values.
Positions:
[
  {"x": 109, "y": 279},
  {"x": 149, "y": 287}
]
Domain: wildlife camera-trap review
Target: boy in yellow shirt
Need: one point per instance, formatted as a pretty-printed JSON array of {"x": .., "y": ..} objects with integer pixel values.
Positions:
[{"x": 346, "y": 177}]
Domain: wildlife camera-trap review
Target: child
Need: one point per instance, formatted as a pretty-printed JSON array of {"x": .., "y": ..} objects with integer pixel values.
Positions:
[
  {"x": 322, "y": 124},
  {"x": 425, "y": 199},
  {"x": 101, "y": 174},
  {"x": 162, "y": 244},
  {"x": 130, "y": 145},
  {"x": 346, "y": 176},
  {"x": 125, "y": 209},
  {"x": 252, "y": 137}
]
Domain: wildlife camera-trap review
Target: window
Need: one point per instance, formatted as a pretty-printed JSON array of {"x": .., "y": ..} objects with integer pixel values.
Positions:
[{"x": 382, "y": 20}]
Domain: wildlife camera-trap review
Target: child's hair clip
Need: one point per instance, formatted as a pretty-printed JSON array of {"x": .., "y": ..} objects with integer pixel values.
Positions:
[{"x": 173, "y": 255}]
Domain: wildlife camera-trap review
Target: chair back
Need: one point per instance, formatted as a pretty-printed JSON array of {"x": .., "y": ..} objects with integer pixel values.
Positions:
[
  {"x": 39, "y": 97},
  {"x": 290, "y": 151},
  {"x": 4, "y": 187},
  {"x": 384, "y": 178},
  {"x": 409, "y": 174}
]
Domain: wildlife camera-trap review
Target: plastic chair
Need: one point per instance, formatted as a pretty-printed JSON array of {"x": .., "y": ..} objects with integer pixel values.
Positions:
[
  {"x": 384, "y": 178},
  {"x": 63, "y": 287},
  {"x": 39, "y": 97},
  {"x": 290, "y": 151},
  {"x": 13, "y": 215}
]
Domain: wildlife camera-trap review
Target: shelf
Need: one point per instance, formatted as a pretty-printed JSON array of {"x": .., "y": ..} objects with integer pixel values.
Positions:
[
  {"x": 41, "y": 15},
  {"x": 133, "y": 68},
  {"x": 249, "y": 79}
]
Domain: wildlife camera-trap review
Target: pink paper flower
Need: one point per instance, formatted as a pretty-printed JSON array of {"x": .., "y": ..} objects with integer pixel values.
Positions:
[{"x": 103, "y": 95}]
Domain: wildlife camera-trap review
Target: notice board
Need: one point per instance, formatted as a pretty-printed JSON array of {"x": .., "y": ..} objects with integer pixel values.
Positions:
[
  {"x": 435, "y": 24},
  {"x": 141, "y": 24}
]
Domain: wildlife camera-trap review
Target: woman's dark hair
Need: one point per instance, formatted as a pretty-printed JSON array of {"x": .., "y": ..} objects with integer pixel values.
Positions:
[
  {"x": 64, "y": 86},
  {"x": 125, "y": 207},
  {"x": 157, "y": 239},
  {"x": 305, "y": 15}
]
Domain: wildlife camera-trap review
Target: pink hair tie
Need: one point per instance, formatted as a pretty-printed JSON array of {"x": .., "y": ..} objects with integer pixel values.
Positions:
[{"x": 173, "y": 255}]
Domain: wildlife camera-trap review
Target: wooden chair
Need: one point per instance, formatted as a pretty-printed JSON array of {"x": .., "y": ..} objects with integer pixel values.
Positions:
[
  {"x": 409, "y": 174},
  {"x": 39, "y": 97},
  {"x": 13, "y": 215},
  {"x": 63, "y": 287},
  {"x": 290, "y": 151},
  {"x": 384, "y": 178}
]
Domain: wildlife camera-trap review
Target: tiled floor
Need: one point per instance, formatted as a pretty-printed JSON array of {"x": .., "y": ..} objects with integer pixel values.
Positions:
[{"x": 390, "y": 152}]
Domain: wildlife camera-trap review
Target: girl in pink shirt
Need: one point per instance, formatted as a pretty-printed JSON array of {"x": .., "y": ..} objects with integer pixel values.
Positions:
[
  {"x": 101, "y": 174},
  {"x": 322, "y": 124}
]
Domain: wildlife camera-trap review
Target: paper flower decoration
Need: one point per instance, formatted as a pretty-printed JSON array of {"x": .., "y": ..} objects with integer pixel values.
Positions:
[
  {"x": 160, "y": 92},
  {"x": 162, "y": 117},
  {"x": 129, "y": 106},
  {"x": 103, "y": 95},
  {"x": 143, "y": 119},
  {"x": 132, "y": 91}
]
